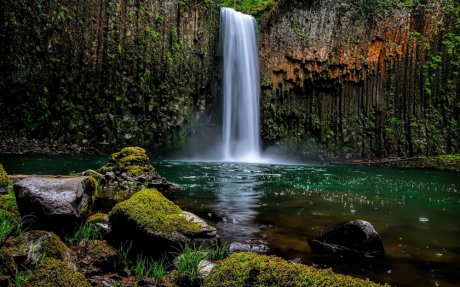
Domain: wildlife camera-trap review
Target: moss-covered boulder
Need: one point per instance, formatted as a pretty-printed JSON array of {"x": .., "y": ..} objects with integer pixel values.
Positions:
[
  {"x": 56, "y": 273},
  {"x": 95, "y": 256},
  {"x": 157, "y": 223},
  {"x": 127, "y": 172},
  {"x": 250, "y": 269},
  {"x": 4, "y": 181},
  {"x": 30, "y": 247},
  {"x": 55, "y": 203},
  {"x": 101, "y": 221}
]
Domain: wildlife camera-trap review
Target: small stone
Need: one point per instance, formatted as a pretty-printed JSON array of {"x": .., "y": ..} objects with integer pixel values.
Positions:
[{"x": 204, "y": 269}]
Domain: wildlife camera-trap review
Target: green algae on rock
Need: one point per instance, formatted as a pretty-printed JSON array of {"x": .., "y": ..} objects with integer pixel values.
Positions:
[
  {"x": 56, "y": 273},
  {"x": 151, "y": 218},
  {"x": 250, "y": 269}
]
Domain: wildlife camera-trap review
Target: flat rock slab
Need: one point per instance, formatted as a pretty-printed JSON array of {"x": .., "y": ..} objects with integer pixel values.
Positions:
[{"x": 54, "y": 201}]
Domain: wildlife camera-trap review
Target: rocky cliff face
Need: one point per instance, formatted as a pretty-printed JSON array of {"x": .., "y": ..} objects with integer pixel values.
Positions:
[
  {"x": 358, "y": 83},
  {"x": 106, "y": 72}
]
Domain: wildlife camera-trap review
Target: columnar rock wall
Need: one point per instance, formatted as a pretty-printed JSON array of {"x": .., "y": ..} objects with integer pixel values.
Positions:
[
  {"x": 340, "y": 82},
  {"x": 106, "y": 72}
]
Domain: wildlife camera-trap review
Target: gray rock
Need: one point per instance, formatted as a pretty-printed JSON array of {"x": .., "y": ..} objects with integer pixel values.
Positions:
[
  {"x": 109, "y": 175},
  {"x": 204, "y": 269},
  {"x": 56, "y": 203},
  {"x": 244, "y": 247},
  {"x": 353, "y": 238}
]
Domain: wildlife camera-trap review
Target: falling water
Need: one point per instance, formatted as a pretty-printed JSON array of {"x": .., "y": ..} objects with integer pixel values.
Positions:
[{"x": 241, "y": 130}]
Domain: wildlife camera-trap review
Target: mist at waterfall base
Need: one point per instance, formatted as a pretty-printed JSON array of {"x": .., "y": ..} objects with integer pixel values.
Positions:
[{"x": 237, "y": 135}]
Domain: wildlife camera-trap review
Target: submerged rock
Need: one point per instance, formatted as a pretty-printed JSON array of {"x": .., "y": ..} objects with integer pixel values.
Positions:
[
  {"x": 157, "y": 224},
  {"x": 3, "y": 181},
  {"x": 250, "y": 269},
  {"x": 55, "y": 203},
  {"x": 353, "y": 238},
  {"x": 56, "y": 273},
  {"x": 30, "y": 247},
  {"x": 245, "y": 247}
]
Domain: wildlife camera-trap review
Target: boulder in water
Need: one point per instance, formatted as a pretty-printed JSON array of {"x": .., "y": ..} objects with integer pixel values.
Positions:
[
  {"x": 245, "y": 247},
  {"x": 353, "y": 238},
  {"x": 55, "y": 203}
]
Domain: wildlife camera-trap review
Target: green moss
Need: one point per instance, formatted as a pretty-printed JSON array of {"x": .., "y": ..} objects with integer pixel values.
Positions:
[
  {"x": 56, "y": 273},
  {"x": 449, "y": 157},
  {"x": 250, "y": 269},
  {"x": 255, "y": 7},
  {"x": 98, "y": 218},
  {"x": 150, "y": 210}
]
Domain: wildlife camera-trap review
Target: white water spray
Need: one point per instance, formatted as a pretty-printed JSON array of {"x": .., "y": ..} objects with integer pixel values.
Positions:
[{"x": 241, "y": 88}]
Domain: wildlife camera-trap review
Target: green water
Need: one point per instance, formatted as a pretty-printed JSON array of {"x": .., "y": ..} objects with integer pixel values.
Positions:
[{"x": 417, "y": 213}]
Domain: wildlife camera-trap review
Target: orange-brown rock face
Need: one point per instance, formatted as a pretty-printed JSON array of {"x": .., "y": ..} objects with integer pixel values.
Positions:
[{"x": 357, "y": 87}]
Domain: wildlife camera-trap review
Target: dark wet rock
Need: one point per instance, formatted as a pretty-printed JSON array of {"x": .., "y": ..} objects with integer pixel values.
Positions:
[
  {"x": 157, "y": 224},
  {"x": 353, "y": 238},
  {"x": 55, "y": 203},
  {"x": 30, "y": 247},
  {"x": 4, "y": 181},
  {"x": 246, "y": 247},
  {"x": 146, "y": 282}
]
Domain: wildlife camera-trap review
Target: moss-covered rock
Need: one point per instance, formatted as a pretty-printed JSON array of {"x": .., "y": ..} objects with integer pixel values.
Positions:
[
  {"x": 127, "y": 172},
  {"x": 250, "y": 269},
  {"x": 132, "y": 161},
  {"x": 4, "y": 181},
  {"x": 30, "y": 247},
  {"x": 56, "y": 273},
  {"x": 150, "y": 217},
  {"x": 96, "y": 256}
]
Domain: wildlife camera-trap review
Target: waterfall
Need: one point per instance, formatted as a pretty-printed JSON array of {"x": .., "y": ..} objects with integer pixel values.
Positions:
[{"x": 241, "y": 88}]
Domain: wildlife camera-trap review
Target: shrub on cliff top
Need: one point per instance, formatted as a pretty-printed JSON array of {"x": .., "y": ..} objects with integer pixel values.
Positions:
[{"x": 250, "y": 269}]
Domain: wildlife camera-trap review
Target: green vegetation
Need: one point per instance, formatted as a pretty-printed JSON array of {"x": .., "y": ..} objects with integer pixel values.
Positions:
[
  {"x": 147, "y": 268},
  {"x": 254, "y": 7},
  {"x": 123, "y": 253},
  {"x": 85, "y": 232},
  {"x": 150, "y": 210},
  {"x": 249, "y": 269},
  {"x": 188, "y": 264},
  {"x": 56, "y": 273},
  {"x": 98, "y": 218}
]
